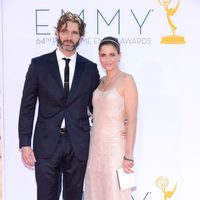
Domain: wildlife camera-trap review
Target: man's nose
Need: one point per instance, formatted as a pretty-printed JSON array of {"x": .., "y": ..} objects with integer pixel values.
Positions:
[{"x": 69, "y": 35}]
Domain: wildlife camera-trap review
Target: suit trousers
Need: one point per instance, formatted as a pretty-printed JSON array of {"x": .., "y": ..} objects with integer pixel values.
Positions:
[{"x": 63, "y": 171}]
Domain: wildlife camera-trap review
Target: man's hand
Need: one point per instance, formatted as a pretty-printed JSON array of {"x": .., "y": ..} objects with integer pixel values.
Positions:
[{"x": 28, "y": 156}]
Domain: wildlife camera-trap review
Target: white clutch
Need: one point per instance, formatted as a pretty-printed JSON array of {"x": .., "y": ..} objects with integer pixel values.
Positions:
[{"x": 126, "y": 181}]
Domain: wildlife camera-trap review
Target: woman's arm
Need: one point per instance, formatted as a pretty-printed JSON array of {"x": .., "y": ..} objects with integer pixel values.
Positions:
[{"x": 131, "y": 106}]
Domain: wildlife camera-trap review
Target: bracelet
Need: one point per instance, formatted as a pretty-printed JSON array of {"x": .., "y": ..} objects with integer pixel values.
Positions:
[{"x": 125, "y": 158}]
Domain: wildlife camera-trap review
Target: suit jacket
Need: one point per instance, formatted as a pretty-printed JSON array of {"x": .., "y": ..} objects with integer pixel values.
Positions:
[{"x": 43, "y": 83}]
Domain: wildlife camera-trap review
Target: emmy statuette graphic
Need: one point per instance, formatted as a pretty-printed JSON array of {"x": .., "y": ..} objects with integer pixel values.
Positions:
[
  {"x": 171, "y": 39},
  {"x": 163, "y": 183}
]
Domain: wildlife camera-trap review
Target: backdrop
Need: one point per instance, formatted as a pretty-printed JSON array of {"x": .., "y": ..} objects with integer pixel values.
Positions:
[{"x": 164, "y": 62}]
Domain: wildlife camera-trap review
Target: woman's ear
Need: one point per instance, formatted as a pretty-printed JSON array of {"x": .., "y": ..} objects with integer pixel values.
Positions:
[{"x": 120, "y": 55}]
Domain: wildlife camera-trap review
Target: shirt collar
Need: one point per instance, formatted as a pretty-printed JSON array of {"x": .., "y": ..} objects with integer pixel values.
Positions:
[{"x": 60, "y": 56}]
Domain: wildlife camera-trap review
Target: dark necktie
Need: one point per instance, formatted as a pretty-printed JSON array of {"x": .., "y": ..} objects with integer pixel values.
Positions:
[{"x": 66, "y": 77}]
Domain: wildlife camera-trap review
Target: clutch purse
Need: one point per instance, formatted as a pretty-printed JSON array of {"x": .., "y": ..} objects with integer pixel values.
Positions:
[{"x": 126, "y": 181}]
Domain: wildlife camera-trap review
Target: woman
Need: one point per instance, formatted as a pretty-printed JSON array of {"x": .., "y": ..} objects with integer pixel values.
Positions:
[{"x": 114, "y": 127}]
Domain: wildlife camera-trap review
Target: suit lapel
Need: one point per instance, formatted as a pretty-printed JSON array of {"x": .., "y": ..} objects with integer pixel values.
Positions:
[
  {"x": 54, "y": 69},
  {"x": 80, "y": 65}
]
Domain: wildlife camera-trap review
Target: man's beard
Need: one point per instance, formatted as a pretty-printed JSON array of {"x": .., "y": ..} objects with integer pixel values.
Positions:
[{"x": 70, "y": 46}]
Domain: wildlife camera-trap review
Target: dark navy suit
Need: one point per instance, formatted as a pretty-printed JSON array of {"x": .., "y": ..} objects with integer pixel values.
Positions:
[{"x": 43, "y": 83}]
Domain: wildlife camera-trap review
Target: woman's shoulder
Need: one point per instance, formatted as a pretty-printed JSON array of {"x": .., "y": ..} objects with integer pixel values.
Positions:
[
  {"x": 127, "y": 77},
  {"x": 128, "y": 82}
]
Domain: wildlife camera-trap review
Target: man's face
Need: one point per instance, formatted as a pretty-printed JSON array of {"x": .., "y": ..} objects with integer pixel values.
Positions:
[{"x": 68, "y": 37}]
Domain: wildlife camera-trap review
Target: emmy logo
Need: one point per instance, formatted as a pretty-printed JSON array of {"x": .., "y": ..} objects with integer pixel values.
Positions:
[
  {"x": 171, "y": 39},
  {"x": 163, "y": 183}
]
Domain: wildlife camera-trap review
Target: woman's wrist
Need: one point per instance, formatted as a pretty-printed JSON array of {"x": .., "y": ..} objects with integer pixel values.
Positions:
[{"x": 128, "y": 158}]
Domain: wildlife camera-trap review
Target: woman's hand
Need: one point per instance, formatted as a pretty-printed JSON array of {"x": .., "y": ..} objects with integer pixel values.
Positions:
[{"x": 128, "y": 165}]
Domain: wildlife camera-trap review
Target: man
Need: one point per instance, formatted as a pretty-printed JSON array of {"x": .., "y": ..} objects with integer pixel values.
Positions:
[{"x": 61, "y": 134}]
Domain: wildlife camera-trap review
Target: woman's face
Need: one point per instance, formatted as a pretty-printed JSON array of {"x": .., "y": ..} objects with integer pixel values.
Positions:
[{"x": 109, "y": 57}]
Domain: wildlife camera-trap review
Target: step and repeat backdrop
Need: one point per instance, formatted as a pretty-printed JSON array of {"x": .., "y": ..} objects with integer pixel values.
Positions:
[{"x": 160, "y": 42}]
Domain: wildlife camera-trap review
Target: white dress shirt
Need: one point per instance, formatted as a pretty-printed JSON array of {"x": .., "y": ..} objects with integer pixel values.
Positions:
[{"x": 61, "y": 64}]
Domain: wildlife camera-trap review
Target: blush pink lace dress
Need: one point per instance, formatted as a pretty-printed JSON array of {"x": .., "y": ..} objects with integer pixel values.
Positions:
[{"x": 107, "y": 147}]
